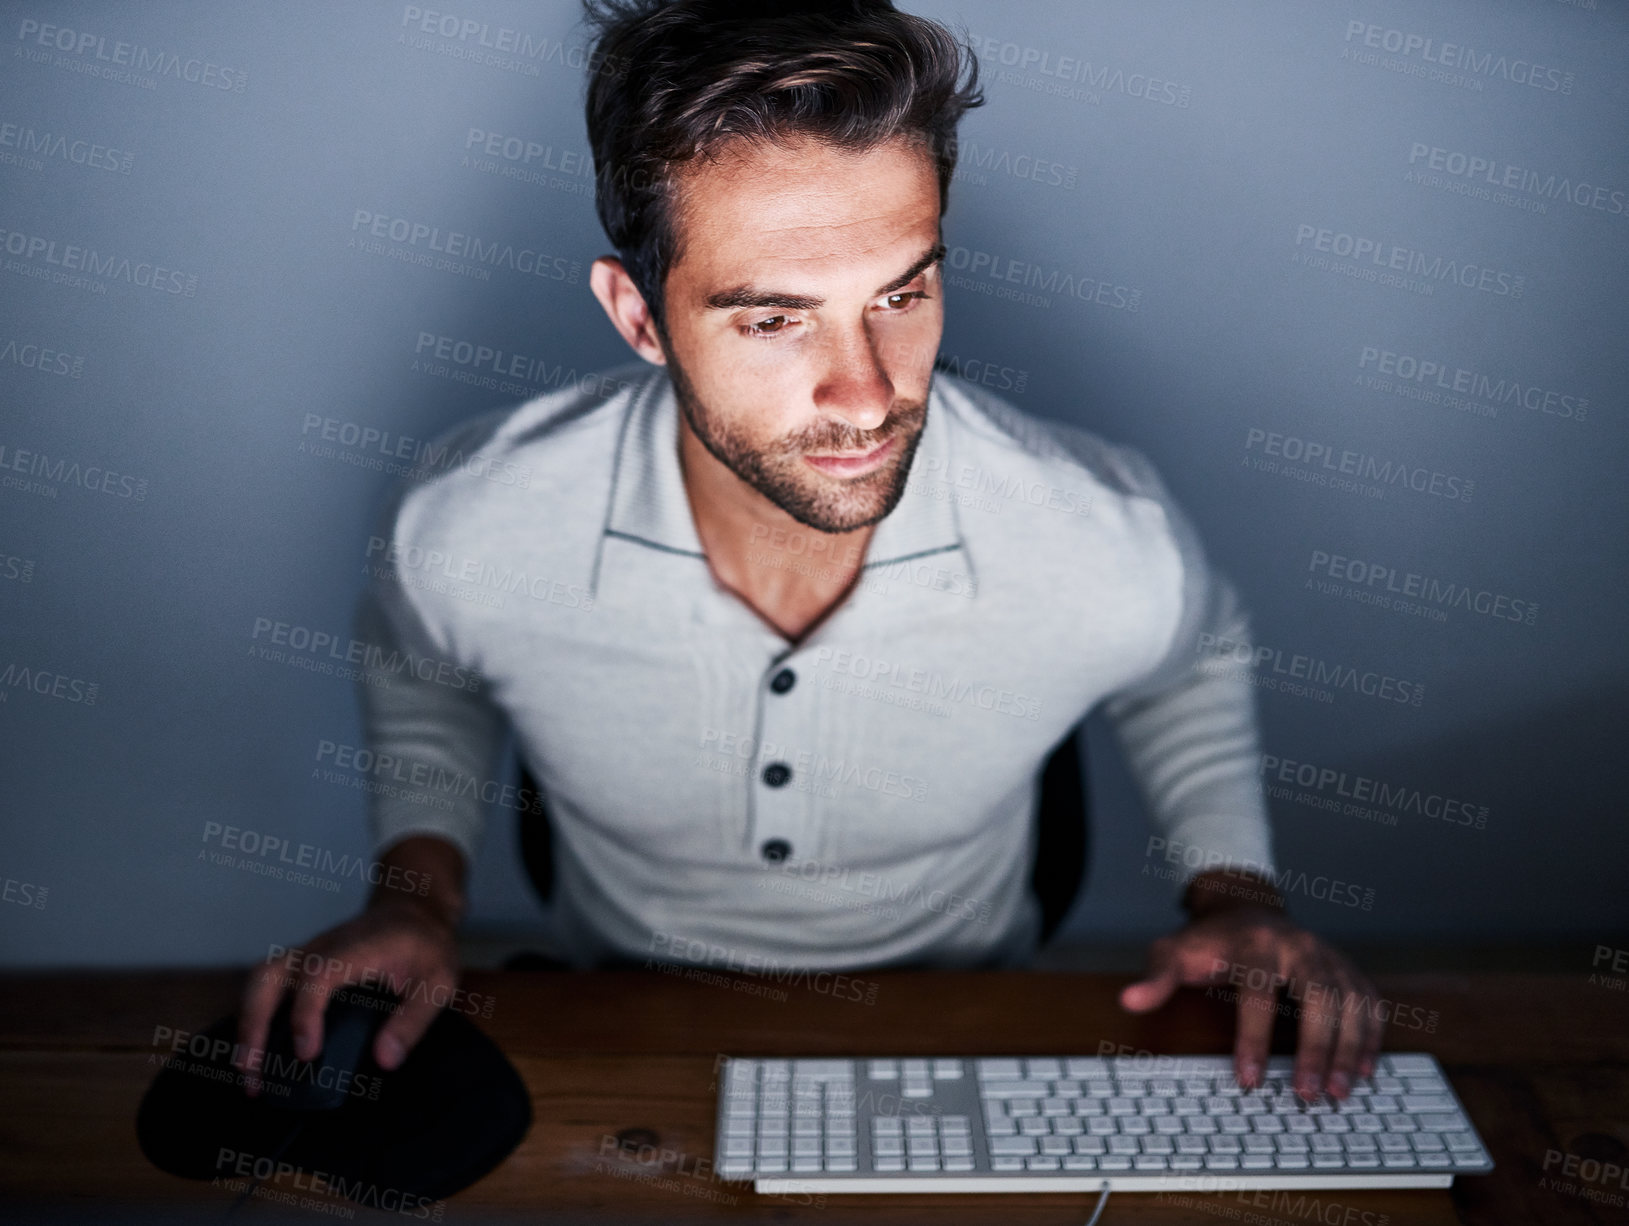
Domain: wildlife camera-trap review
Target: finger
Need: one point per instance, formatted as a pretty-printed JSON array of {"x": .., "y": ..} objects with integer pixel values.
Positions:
[
  {"x": 265, "y": 988},
  {"x": 1373, "y": 1033},
  {"x": 406, "y": 1027},
  {"x": 1354, "y": 1031},
  {"x": 305, "y": 1017},
  {"x": 1162, "y": 980},
  {"x": 1320, "y": 1020},
  {"x": 1257, "y": 1008}
]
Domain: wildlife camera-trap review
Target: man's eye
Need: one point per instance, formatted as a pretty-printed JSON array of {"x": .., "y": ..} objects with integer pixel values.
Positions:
[
  {"x": 760, "y": 328},
  {"x": 907, "y": 295}
]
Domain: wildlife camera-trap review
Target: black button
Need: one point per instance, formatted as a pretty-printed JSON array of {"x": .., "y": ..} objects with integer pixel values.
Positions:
[
  {"x": 775, "y": 850},
  {"x": 783, "y": 681},
  {"x": 776, "y": 774}
]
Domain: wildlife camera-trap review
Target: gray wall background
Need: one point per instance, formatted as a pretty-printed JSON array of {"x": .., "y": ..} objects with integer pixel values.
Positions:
[{"x": 1195, "y": 197}]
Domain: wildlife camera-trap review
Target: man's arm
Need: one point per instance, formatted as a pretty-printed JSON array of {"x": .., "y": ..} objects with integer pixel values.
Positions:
[
  {"x": 1190, "y": 735},
  {"x": 433, "y": 734}
]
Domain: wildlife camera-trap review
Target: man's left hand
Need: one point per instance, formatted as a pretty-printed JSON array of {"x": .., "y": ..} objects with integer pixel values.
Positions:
[{"x": 1258, "y": 949}]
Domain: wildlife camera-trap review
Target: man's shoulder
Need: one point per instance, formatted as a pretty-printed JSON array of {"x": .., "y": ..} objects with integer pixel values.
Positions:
[
  {"x": 989, "y": 430},
  {"x": 550, "y": 444}
]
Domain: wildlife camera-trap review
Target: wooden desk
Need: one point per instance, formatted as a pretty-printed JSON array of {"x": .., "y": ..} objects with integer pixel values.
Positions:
[{"x": 1541, "y": 1062}]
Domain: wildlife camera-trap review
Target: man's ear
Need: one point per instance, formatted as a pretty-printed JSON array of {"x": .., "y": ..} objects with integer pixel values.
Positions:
[{"x": 626, "y": 306}]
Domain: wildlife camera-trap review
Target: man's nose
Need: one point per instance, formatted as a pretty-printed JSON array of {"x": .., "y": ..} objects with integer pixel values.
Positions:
[{"x": 854, "y": 384}]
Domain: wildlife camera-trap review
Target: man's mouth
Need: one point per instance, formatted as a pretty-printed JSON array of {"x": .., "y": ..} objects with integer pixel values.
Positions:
[{"x": 852, "y": 463}]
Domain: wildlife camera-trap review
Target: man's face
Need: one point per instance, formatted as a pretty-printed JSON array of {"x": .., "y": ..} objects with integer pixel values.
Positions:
[{"x": 803, "y": 318}]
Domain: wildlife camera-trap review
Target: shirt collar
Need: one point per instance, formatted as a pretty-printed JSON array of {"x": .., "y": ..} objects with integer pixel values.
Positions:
[{"x": 649, "y": 504}]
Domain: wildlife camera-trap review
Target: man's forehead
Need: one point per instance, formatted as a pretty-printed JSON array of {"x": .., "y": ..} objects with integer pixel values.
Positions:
[{"x": 761, "y": 208}]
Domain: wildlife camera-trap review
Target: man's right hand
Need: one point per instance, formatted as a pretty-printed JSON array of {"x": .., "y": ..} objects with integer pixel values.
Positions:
[{"x": 401, "y": 942}]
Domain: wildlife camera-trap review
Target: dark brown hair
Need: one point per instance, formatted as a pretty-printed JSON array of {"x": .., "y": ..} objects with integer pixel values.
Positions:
[{"x": 691, "y": 74}]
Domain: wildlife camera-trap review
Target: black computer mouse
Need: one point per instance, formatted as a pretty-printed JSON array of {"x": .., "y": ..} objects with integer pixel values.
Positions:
[
  {"x": 344, "y": 1069},
  {"x": 449, "y": 1114}
]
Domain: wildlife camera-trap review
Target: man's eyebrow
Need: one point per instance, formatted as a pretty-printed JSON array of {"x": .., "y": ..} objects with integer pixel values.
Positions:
[{"x": 746, "y": 296}]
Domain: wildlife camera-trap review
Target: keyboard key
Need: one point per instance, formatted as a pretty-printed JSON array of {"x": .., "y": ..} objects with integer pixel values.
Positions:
[
  {"x": 1080, "y": 1162},
  {"x": 1013, "y": 1145},
  {"x": 1006, "y": 1164},
  {"x": 1427, "y": 1102},
  {"x": 1042, "y": 1162},
  {"x": 1256, "y": 1162},
  {"x": 1397, "y": 1159},
  {"x": 1151, "y": 1162},
  {"x": 1409, "y": 1065},
  {"x": 947, "y": 1070},
  {"x": 1292, "y": 1162},
  {"x": 1114, "y": 1162},
  {"x": 1015, "y": 1089},
  {"x": 883, "y": 1070},
  {"x": 999, "y": 1070},
  {"x": 1221, "y": 1162},
  {"x": 1043, "y": 1067}
]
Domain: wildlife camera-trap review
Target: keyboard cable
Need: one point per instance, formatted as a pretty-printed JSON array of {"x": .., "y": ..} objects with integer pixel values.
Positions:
[{"x": 1102, "y": 1199}]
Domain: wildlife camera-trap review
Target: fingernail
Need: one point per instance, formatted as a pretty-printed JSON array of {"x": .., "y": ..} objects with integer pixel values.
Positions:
[
  {"x": 1249, "y": 1072},
  {"x": 1339, "y": 1084},
  {"x": 390, "y": 1051},
  {"x": 1308, "y": 1086}
]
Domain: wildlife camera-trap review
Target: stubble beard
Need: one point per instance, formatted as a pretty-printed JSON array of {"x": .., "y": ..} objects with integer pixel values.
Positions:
[{"x": 780, "y": 475}]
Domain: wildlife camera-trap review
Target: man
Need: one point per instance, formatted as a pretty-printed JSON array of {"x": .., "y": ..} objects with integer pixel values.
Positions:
[{"x": 693, "y": 566}]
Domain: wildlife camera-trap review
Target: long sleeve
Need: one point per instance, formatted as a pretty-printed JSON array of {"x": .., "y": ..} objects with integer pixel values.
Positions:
[
  {"x": 1189, "y": 728},
  {"x": 429, "y": 722}
]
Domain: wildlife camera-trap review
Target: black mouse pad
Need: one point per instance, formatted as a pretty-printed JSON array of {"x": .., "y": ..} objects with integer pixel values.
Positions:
[{"x": 450, "y": 1113}]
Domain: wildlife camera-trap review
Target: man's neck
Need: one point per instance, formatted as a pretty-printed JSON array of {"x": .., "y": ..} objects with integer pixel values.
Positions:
[{"x": 791, "y": 575}]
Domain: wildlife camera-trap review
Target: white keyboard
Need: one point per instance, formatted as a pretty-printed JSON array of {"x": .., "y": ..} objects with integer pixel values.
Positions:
[{"x": 1072, "y": 1123}]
